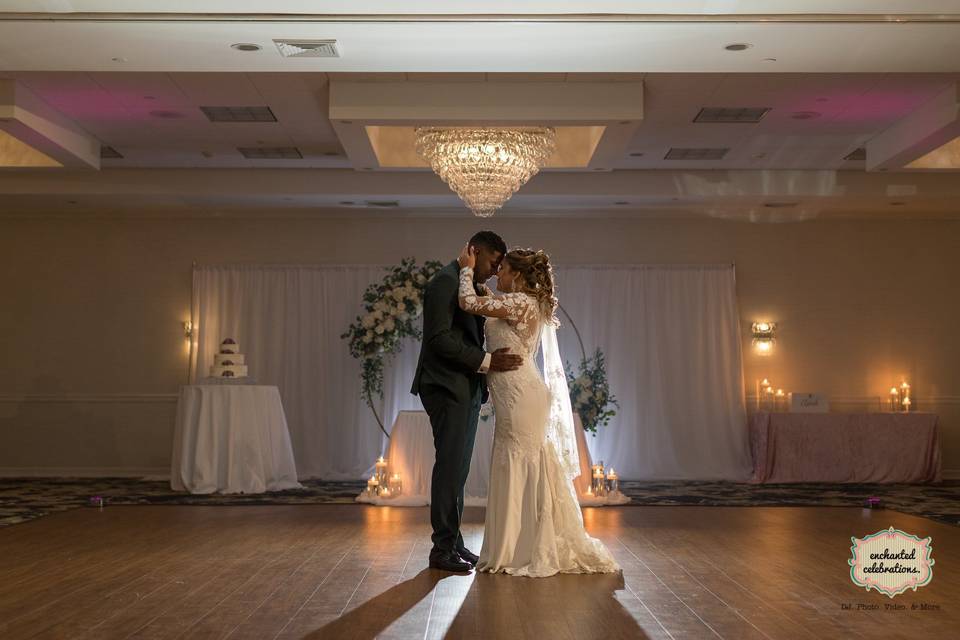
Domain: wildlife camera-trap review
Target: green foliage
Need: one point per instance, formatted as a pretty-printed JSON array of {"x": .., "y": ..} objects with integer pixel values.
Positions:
[
  {"x": 590, "y": 394},
  {"x": 391, "y": 309}
]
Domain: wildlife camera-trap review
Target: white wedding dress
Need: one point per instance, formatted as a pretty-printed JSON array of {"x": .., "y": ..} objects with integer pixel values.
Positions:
[{"x": 534, "y": 526}]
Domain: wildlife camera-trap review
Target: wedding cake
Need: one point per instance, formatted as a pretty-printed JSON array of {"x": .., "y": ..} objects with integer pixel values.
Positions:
[{"x": 228, "y": 363}]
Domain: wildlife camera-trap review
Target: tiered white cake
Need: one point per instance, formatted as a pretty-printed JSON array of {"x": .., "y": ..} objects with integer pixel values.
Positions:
[{"x": 229, "y": 362}]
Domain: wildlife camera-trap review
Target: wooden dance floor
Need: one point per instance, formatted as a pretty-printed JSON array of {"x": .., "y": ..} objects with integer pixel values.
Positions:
[{"x": 350, "y": 571}]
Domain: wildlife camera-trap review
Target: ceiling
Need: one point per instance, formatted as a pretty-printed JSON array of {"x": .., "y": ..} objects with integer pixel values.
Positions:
[{"x": 833, "y": 82}]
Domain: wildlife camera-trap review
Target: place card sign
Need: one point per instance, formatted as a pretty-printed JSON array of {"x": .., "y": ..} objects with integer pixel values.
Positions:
[{"x": 808, "y": 403}]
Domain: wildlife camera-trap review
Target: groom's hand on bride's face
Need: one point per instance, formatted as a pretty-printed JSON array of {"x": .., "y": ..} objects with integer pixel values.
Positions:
[{"x": 500, "y": 360}]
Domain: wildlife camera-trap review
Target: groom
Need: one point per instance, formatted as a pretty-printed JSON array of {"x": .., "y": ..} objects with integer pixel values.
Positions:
[{"x": 451, "y": 383}]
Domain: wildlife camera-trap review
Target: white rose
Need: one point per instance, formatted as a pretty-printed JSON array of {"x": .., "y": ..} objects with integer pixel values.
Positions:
[
  {"x": 366, "y": 338},
  {"x": 378, "y": 331},
  {"x": 376, "y": 315},
  {"x": 367, "y": 321},
  {"x": 421, "y": 278},
  {"x": 397, "y": 294},
  {"x": 588, "y": 382},
  {"x": 581, "y": 398},
  {"x": 401, "y": 306},
  {"x": 389, "y": 324},
  {"x": 403, "y": 315}
]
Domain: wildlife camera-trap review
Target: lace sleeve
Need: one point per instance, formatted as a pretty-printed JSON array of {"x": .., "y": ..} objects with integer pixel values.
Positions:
[{"x": 512, "y": 306}]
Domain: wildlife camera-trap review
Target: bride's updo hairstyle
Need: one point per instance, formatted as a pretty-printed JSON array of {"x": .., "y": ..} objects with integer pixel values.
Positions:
[{"x": 534, "y": 275}]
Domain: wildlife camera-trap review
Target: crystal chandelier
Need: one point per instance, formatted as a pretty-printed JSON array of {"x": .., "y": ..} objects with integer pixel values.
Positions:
[{"x": 485, "y": 166}]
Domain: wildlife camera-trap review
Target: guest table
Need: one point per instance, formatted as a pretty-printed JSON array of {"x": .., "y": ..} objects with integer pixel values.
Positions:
[
  {"x": 231, "y": 439},
  {"x": 845, "y": 447},
  {"x": 411, "y": 454}
]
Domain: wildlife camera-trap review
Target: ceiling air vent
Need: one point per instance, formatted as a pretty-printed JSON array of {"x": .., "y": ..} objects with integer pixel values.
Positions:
[
  {"x": 239, "y": 114},
  {"x": 270, "y": 153},
  {"x": 109, "y": 153},
  {"x": 735, "y": 115},
  {"x": 696, "y": 154},
  {"x": 308, "y": 48},
  {"x": 859, "y": 155}
]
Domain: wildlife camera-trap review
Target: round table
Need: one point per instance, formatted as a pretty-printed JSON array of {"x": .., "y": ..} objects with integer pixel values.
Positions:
[{"x": 231, "y": 439}]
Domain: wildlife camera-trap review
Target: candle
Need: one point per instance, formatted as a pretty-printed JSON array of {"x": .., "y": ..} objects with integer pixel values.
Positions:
[
  {"x": 396, "y": 486},
  {"x": 385, "y": 492},
  {"x": 768, "y": 398},
  {"x": 613, "y": 481},
  {"x": 780, "y": 400},
  {"x": 903, "y": 392},
  {"x": 381, "y": 471},
  {"x": 894, "y": 399},
  {"x": 372, "y": 485},
  {"x": 599, "y": 483},
  {"x": 906, "y": 404}
]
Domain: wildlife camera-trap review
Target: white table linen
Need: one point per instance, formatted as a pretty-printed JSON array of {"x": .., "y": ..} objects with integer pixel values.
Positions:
[{"x": 231, "y": 439}]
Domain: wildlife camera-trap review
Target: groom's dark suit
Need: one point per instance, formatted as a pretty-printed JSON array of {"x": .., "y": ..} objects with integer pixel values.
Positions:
[{"x": 452, "y": 391}]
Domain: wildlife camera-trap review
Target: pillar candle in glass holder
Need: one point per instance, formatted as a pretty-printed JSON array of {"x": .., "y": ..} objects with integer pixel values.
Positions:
[
  {"x": 382, "y": 471},
  {"x": 762, "y": 387},
  {"x": 769, "y": 399},
  {"x": 904, "y": 393},
  {"x": 613, "y": 481},
  {"x": 385, "y": 492},
  {"x": 906, "y": 404},
  {"x": 894, "y": 399},
  {"x": 781, "y": 400},
  {"x": 599, "y": 481},
  {"x": 396, "y": 486},
  {"x": 373, "y": 486}
]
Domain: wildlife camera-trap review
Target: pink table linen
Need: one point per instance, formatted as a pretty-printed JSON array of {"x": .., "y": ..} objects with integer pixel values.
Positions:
[{"x": 845, "y": 447}]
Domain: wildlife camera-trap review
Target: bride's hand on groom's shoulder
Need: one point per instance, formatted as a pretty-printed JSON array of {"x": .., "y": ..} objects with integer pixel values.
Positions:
[{"x": 468, "y": 257}]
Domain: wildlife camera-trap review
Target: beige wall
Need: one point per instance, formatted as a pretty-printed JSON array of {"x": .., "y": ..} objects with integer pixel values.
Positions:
[{"x": 93, "y": 349}]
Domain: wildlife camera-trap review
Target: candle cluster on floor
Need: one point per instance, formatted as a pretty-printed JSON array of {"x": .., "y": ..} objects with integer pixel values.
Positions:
[
  {"x": 603, "y": 483},
  {"x": 383, "y": 484},
  {"x": 770, "y": 399},
  {"x": 900, "y": 398}
]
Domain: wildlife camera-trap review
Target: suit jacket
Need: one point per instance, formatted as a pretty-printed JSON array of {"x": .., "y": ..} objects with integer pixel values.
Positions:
[{"x": 452, "y": 347}]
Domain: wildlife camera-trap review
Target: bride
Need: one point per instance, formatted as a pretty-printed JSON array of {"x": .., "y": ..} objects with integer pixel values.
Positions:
[{"x": 533, "y": 526}]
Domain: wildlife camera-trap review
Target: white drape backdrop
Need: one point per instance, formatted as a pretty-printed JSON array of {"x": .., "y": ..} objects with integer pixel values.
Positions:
[
  {"x": 671, "y": 337},
  {"x": 670, "y": 334}
]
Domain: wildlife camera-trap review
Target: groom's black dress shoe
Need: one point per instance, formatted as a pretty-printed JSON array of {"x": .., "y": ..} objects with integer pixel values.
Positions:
[
  {"x": 469, "y": 556},
  {"x": 449, "y": 561}
]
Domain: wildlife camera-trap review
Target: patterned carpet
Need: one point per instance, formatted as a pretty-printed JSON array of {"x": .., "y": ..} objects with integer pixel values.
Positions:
[{"x": 23, "y": 499}]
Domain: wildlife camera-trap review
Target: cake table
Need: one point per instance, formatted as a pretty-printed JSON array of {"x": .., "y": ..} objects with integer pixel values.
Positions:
[{"x": 231, "y": 439}]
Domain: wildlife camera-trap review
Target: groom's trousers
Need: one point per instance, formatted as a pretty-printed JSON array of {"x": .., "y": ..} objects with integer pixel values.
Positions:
[{"x": 454, "y": 423}]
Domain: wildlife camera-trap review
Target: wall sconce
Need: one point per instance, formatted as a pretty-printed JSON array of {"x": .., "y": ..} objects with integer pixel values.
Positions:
[
  {"x": 763, "y": 336},
  {"x": 188, "y": 329}
]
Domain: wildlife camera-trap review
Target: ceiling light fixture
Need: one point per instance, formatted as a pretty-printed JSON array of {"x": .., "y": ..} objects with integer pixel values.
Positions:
[
  {"x": 738, "y": 46},
  {"x": 485, "y": 166},
  {"x": 246, "y": 46}
]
